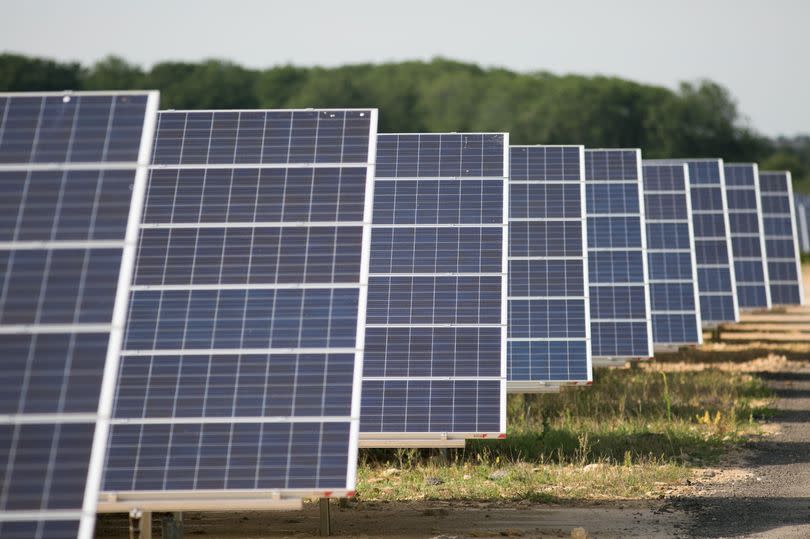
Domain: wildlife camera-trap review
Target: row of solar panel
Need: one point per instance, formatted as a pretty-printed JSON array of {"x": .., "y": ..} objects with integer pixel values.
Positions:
[
  {"x": 265, "y": 266},
  {"x": 802, "y": 212}
]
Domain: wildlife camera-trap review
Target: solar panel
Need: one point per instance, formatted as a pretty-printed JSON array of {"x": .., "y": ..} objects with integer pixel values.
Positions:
[
  {"x": 435, "y": 364},
  {"x": 745, "y": 229},
  {"x": 617, "y": 264},
  {"x": 781, "y": 239},
  {"x": 240, "y": 371},
  {"x": 710, "y": 222},
  {"x": 802, "y": 208},
  {"x": 671, "y": 256},
  {"x": 549, "y": 314},
  {"x": 72, "y": 172}
]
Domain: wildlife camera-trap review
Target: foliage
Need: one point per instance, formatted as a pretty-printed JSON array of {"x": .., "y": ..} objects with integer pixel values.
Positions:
[
  {"x": 699, "y": 119},
  {"x": 20, "y": 74}
]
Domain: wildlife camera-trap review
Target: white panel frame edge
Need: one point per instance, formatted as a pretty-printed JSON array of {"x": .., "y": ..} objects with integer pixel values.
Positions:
[
  {"x": 761, "y": 224},
  {"x": 731, "y": 269},
  {"x": 797, "y": 253},
  {"x": 109, "y": 379},
  {"x": 693, "y": 256},
  {"x": 365, "y": 259}
]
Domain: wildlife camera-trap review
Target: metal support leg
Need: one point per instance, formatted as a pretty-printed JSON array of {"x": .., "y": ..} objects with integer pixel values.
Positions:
[
  {"x": 172, "y": 525},
  {"x": 326, "y": 517},
  {"x": 140, "y": 524},
  {"x": 717, "y": 333}
]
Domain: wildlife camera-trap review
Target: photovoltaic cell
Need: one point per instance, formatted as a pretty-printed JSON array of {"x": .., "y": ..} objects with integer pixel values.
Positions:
[
  {"x": 617, "y": 265},
  {"x": 671, "y": 256},
  {"x": 72, "y": 173},
  {"x": 710, "y": 222},
  {"x": 747, "y": 241},
  {"x": 781, "y": 238},
  {"x": 802, "y": 212},
  {"x": 435, "y": 362},
  {"x": 241, "y": 364},
  {"x": 549, "y": 326}
]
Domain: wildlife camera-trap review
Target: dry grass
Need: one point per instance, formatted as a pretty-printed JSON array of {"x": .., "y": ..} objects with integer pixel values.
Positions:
[{"x": 518, "y": 481}]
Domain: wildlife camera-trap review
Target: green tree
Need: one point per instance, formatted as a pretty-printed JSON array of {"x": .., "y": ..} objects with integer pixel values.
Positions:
[
  {"x": 782, "y": 160},
  {"x": 213, "y": 84},
  {"x": 114, "y": 73},
  {"x": 699, "y": 119},
  {"x": 21, "y": 73}
]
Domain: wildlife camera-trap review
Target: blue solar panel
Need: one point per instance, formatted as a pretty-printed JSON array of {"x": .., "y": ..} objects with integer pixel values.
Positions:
[
  {"x": 710, "y": 223},
  {"x": 549, "y": 329},
  {"x": 617, "y": 265},
  {"x": 802, "y": 211},
  {"x": 671, "y": 256},
  {"x": 435, "y": 363},
  {"x": 72, "y": 172},
  {"x": 241, "y": 360},
  {"x": 781, "y": 238},
  {"x": 747, "y": 241}
]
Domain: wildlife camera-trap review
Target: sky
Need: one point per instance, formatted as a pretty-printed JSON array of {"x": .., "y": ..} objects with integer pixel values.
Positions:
[{"x": 757, "y": 49}]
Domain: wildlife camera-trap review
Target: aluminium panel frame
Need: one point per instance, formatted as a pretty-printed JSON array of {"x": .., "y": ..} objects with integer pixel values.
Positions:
[
  {"x": 794, "y": 228},
  {"x": 674, "y": 347},
  {"x": 530, "y": 386},
  {"x": 601, "y": 361},
  {"x": 264, "y": 499},
  {"x": 761, "y": 225},
  {"x": 455, "y": 439}
]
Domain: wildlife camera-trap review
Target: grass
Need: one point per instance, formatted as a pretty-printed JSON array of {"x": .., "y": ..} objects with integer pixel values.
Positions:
[{"x": 634, "y": 433}]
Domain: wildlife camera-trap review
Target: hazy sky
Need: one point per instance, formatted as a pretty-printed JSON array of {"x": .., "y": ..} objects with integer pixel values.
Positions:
[{"x": 760, "y": 50}]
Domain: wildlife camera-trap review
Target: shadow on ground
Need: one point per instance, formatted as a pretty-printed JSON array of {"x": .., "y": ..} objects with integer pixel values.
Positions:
[
  {"x": 744, "y": 516},
  {"x": 736, "y": 353}
]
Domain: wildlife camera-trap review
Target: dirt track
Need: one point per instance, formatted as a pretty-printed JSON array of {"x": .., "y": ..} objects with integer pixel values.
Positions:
[{"x": 773, "y": 499}]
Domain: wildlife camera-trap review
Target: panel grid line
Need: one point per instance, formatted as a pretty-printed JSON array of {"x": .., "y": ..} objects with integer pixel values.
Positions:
[
  {"x": 670, "y": 253},
  {"x": 621, "y": 325},
  {"x": 430, "y": 286},
  {"x": 547, "y": 184},
  {"x": 713, "y": 249},
  {"x": 746, "y": 223},
  {"x": 229, "y": 306},
  {"x": 781, "y": 238},
  {"x": 71, "y": 162}
]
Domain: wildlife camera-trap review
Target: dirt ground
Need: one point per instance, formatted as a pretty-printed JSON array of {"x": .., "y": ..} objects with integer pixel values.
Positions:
[
  {"x": 771, "y": 498},
  {"x": 411, "y": 520}
]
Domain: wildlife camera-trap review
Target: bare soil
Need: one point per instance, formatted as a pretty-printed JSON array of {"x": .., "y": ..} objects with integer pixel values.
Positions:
[
  {"x": 410, "y": 520},
  {"x": 771, "y": 497}
]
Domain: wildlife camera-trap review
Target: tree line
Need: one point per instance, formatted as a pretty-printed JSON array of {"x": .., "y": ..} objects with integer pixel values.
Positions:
[{"x": 699, "y": 119}]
